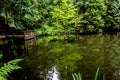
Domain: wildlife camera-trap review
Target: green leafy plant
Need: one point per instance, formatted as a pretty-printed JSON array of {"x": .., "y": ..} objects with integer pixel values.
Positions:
[
  {"x": 92, "y": 12},
  {"x": 64, "y": 15},
  {"x": 17, "y": 14},
  {"x": 8, "y": 68},
  {"x": 112, "y": 19},
  {"x": 45, "y": 30},
  {"x": 60, "y": 16},
  {"x": 79, "y": 77},
  {"x": 96, "y": 75}
]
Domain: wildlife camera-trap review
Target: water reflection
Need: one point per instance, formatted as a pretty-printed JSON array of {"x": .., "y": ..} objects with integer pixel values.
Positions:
[
  {"x": 53, "y": 74},
  {"x": 72, "y": 54}
]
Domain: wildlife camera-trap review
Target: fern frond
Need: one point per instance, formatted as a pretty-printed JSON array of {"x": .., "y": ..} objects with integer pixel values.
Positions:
[
  {"x": 9, "y": 67},
  {"x": 2, "y": 78}
]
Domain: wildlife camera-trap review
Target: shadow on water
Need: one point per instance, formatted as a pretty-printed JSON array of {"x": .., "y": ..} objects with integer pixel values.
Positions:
[{"x": 70, "y": 54}]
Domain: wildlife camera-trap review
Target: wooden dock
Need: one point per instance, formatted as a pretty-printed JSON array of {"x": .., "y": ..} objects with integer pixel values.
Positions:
[
  {"x": 26, "y": 35},
  {"x": 2, "y": 36}
]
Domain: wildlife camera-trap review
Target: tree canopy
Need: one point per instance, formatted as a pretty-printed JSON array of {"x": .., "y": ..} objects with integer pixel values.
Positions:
[{"x": 50, "y": 17}]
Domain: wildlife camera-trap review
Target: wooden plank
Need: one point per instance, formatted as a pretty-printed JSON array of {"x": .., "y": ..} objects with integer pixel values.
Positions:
[
  {"x": 15, "y": 36},
  {"x": 2, "y": 36},
  {"x": 26, "y": 35}
]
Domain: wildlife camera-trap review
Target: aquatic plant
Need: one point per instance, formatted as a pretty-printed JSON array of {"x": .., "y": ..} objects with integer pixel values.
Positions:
[
  {"x": 79, "y": 77},
  {"x": 96, "y": 75}
]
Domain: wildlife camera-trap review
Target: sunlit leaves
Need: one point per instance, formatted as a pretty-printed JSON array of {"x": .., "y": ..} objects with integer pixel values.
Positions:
[
  {"x": 61, "y": 14},
  {"x": 65, "y": 13}
]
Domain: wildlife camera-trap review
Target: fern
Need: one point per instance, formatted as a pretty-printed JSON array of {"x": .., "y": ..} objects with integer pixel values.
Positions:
[
  {"x": 2, "y": 78},
  {"x": 8, "y": 68}
]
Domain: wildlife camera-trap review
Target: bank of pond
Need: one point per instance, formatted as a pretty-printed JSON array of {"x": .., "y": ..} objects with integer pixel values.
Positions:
[{"x": 63, "y": 56}]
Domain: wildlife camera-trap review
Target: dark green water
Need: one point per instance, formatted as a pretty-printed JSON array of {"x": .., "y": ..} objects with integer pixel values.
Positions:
[{"x": 73, "y": 54}]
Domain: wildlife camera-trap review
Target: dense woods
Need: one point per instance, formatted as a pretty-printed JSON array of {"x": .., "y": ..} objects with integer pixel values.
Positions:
[{"x": 55, "y": 17}]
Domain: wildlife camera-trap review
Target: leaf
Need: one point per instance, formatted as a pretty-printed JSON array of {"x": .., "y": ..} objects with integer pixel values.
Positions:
[
  {"x": 77, "y": 76},
  {"x": 9, "y": 67},
  {"x": 1, "y": 55},
  {"x": 73, "y": 77},
  {"x": 3, "y": 14},
  {"x": 96, "y": 75},
  {"x": 12, "y": 24},
  {"x": 103, "y": 77}
]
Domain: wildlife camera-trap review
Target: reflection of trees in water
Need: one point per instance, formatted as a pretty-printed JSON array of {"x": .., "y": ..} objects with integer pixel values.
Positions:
[
  {"x": 67, "y": 56},
  {"x": 92, "y": 51},
  {"x": 83, "y": 55},
  {"x": 112, "y": 56},
  {"x": 8, "y": 50},
  {"x": 57, "y": 54},
  {"x": 12, "y": 49}
]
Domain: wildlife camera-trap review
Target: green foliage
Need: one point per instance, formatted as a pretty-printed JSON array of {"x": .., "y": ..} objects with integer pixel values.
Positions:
[
  {"x": 103, "y": 77},
  {"x": 113, "y": 14},
  {"x": 60, "y": 16},
  {"x": 2, "y": 78},
  {"x": 1, "y": 55},
  {"x": 45, "y": 30},
  {"x": 79, "y": 77},
  {"x": 96, "y": 75},
  {"x": 43, "y": 8},
  {"x": 64, "y": 15},
  {"x": 17, "y": 14},
  {"x": 9, "y": 67},
  {"x": 93, "y": 20}
]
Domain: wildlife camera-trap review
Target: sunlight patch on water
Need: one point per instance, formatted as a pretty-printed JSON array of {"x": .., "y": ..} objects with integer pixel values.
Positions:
[{"x": 53, "y": 74}]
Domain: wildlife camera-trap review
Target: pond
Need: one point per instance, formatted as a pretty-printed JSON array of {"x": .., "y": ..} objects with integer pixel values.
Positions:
[{"x": 66, "y": 55}]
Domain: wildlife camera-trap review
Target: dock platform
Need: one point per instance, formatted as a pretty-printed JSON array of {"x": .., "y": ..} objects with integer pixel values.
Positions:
[{"x": 26, "y": 35}]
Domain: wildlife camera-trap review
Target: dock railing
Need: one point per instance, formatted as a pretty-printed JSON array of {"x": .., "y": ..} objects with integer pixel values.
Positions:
[{"x": 29, "y": 34}]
